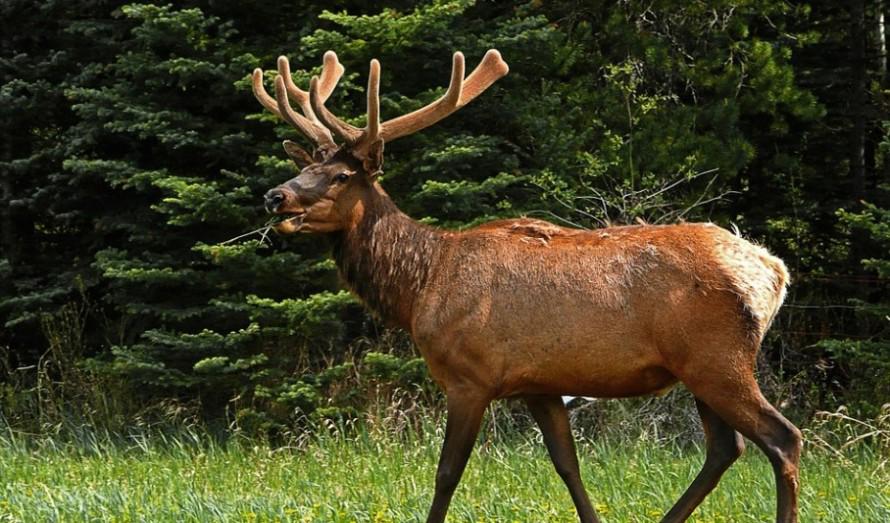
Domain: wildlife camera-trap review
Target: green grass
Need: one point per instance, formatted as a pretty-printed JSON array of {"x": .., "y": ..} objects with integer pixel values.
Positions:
[{"x": 382, "y": 478}]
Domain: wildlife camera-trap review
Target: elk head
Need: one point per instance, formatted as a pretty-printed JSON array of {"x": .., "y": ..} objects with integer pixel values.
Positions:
[{"x": 334, "y": 179}]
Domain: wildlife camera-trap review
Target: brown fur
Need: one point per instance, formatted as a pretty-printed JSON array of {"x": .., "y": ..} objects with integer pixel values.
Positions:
[
  {"x": 527, "y": 308},
  {"x": 533, "y": 290},
  {"x": 386, "y": 262}
]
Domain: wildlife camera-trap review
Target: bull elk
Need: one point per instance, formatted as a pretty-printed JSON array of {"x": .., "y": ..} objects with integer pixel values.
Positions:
[{"x": 524, "y": 308}]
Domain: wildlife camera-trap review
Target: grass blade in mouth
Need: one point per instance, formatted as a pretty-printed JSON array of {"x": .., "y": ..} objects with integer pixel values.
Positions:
[{"x": 263, "y": 231}]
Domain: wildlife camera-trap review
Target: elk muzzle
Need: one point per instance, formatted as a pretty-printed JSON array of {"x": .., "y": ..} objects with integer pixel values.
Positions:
[{"x": 276, "y": 198}]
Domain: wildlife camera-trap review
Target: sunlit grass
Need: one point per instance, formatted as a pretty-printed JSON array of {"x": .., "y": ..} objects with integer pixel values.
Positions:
[{"x": 383, "y": 478}]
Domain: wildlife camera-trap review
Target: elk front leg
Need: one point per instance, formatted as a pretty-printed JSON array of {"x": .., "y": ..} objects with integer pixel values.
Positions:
[
  {"x": 465, "y": 410},
  {"x": 552, "y": 417}
]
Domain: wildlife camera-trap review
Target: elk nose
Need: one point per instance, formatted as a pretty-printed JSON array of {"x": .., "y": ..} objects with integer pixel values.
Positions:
[{"x": 274, "y": 199}]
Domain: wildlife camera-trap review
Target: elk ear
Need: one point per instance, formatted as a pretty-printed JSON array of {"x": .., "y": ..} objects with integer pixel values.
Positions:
[
  {"x": 298, "y": 154},
  {"x": 373, "y": 161}
]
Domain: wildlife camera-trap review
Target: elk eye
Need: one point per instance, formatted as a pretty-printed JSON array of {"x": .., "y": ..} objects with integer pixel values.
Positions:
[{"x": 341, "y": 177}]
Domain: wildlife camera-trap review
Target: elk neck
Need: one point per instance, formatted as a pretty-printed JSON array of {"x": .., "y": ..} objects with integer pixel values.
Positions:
[{"x": 386, "y": 258}]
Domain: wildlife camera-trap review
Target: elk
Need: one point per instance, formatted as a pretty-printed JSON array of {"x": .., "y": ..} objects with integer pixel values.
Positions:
[{"x": 525, "y": 308}]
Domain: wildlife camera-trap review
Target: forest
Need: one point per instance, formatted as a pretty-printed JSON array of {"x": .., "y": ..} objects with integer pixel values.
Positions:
[
  {"x": 133, "y": 150},
  {"x": 166, "y": 356}
]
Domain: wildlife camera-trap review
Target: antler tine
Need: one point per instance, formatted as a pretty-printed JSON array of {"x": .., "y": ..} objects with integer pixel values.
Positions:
[
  {"x": 331, "y": 73},
  {"x": 349, "y": 133},
  {"x": 301, "y": 96},
  {"x": 460, "y": 92},
  {"x": 309, "y": 125},
  {"x": 490, "y": 70},
  {"x": 281, "y": 108},
  {"x": 260, "y": 92},
  {"x": 372, "y": 130},
  {"x": 317, "y": 133}
]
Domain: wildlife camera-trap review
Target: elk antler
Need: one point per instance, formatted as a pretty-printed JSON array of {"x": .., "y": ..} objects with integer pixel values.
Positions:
[
  {"x": 460, "y": 92},
  {"x": 309, "y": 125}
]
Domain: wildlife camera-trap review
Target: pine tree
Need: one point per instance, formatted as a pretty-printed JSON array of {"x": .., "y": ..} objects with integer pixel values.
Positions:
[
  {"x": 45, "y": 215},
  {"x": 163, "y": 125}
]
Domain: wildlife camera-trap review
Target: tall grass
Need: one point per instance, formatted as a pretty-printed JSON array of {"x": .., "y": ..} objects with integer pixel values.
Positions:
[
  {"x": 374, "y": 474},
  {"x": 70, "y": 452}
]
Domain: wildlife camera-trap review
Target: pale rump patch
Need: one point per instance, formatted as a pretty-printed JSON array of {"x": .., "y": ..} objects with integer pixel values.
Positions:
[{"x": 756, "y": 276}]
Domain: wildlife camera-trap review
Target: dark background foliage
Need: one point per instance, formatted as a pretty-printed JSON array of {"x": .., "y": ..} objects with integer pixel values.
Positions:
[{"x": 132, "y": 147}]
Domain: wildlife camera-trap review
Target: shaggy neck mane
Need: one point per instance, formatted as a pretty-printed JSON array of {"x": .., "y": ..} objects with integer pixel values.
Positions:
[{"x": 386, "y": 259}]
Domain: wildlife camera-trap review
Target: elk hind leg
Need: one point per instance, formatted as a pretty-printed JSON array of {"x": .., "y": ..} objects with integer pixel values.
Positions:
[
  {"x": 724, "y": 446},
  {"x": 552, "y": 417},
  {"x": 733, "y": 394}
]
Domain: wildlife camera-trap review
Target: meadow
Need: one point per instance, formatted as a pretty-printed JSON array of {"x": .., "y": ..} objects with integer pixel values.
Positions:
[{"x": 370, "y": 476}]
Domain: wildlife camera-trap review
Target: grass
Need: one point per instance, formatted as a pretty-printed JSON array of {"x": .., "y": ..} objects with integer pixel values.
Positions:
[{"x": 368, "y": 477}]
